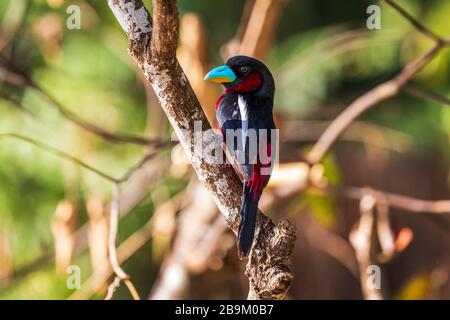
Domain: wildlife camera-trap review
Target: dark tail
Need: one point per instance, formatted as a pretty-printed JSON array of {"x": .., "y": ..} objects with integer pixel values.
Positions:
[{"x": 249, "y": 209}]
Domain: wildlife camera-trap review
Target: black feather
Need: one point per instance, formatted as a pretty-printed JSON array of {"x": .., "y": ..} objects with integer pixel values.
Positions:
[{"x": 247, "y": 223}]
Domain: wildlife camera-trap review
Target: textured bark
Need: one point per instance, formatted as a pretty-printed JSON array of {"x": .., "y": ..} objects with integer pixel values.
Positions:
[{"x": 268, "y": 266}]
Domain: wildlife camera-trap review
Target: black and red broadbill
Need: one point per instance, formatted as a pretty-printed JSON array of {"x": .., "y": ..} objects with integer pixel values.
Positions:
[{"x": 245, "y": 108}]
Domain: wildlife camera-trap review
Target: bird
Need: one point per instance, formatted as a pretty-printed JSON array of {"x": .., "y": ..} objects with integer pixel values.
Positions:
[{"x": 244, "y": 115}]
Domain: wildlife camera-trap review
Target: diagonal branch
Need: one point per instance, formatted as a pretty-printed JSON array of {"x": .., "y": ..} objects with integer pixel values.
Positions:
[
  {"x": 12, "y": 75},
  {"x": 268, "y": 265},
  {"x": 64, "y": 155},
  {"x": 61, "y": 154},
  {"x": 416, "y": 23},
  {"x": 94, "y": 129},
  {"x": 425, "y": 94},
  {"x": 380, "y": 93},
  {"x": 368, "y": 100}
]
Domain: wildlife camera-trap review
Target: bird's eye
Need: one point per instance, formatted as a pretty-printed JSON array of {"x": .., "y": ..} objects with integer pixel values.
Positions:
[{"x": 243, "y": 69}]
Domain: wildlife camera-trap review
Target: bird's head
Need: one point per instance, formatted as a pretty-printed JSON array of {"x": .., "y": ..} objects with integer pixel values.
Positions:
[{"x": 242, "y": 74}]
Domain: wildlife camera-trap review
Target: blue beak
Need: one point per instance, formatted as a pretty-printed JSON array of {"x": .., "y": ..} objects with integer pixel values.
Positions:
[{"x": 222, "y": 74}]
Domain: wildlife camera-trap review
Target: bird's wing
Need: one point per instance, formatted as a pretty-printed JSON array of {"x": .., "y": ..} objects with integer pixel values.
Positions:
[
  {"x": 230, "y": 112},
  {"x": 244, "y": 116},
  {"x": 261, "y": 121}
]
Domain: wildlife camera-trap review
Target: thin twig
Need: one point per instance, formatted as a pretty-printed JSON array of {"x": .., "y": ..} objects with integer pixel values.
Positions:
[
  {"x": 114, "y": 207},
  {"x": 113, "y": 223},
  {"x": 407, "y": 203},
  {"x": 17, "y": 77},
  {"x": 399, "y": 201},
  {"x": 59, "y": 153},
  {"x": 137, "y": 167},
  {"x": 362, "y": 239},
  {"x": 132, "y": 289},
  {"x": 116, "y": 283},
  {"x": 113, "y": 226},
  {"x": 14, "y": 102},
  {"x": 77, "y": 161},
  {"x": 358, "y": 131},
  {"x": 382, "y": 92},
  {"x": 416, "y": 23},
  {"x": 366, "y": 101},
  {"x": 112, "y": 288},
  {"x": 425, "y": 94},
  {"x": 98, "y": 131},
  {"x": 126, "y": 249},
  {"x": 134, "y": 194}
]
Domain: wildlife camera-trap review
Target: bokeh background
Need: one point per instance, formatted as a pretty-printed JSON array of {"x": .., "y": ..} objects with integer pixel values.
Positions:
[{"x": 53, "y": 213}]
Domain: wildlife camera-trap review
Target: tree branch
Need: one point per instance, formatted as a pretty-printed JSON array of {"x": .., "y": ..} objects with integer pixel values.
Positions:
[
  {"x": 121, "y": 275},
  {"x": 268, "y": 266},
  {"x": 64, "y": 155},
  {"x": 379, "y": 93},
  {"x": 92, "y": 128},
  {"x": 16, "y": 77},
  {"x": 416, "y": 23},
  {"x": 60, "y": 154},
  {"x": 363, "y": 240},
  {"x": 367, "y": 101},
  {"x": 425, "y": 94},
  {"x": 398, "y": 201}
]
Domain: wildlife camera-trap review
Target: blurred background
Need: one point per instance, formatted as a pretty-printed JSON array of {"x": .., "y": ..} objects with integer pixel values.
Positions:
[{"x": 78, "y": 91}]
